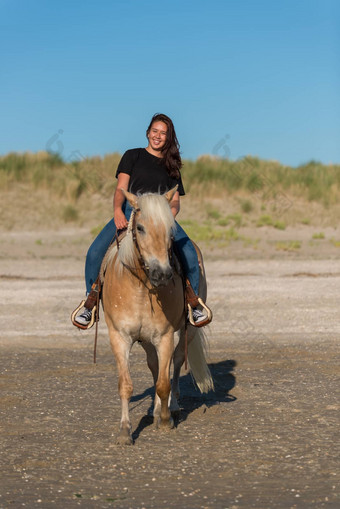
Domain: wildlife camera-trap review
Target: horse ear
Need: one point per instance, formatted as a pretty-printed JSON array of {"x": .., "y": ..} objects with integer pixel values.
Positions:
[
  {"x": 131, "y": 198},
  {"x": 170, "y": 194}
]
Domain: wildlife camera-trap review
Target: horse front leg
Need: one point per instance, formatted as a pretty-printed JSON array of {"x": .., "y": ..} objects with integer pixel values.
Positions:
[
  {"x": 165, "y": 351},
  {"x": 152, "y": 360},
  {"x": 121, "y": 348}
]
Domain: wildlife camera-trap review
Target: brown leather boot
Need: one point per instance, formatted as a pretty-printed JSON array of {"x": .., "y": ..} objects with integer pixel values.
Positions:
[
  {"x": 90, "y": 314},
  {"x": 196, "y": 317}
]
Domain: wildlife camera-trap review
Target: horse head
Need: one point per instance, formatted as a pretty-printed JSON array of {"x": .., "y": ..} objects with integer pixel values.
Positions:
[{"x": 152, "y": 228}]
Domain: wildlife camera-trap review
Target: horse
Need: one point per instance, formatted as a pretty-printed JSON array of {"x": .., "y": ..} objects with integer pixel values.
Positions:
[{"x": 143, "y": 301}]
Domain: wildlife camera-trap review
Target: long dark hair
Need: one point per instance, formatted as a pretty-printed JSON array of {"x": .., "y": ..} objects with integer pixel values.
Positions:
[{"x": 171, "y": 158}]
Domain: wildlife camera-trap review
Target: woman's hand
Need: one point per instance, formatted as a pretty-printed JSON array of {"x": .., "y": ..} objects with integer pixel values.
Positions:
[
  {"x": 120, "y": 220},
  {"x": 175, "y": 204},
  {"x": 118, "y": 200}
]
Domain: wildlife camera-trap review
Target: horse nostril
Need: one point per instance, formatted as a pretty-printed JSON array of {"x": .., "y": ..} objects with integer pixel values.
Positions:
[
  {"x": 160, "y": 276},
  {"x": 168, "y": 273},
  {"x": 165, "y": 274}
]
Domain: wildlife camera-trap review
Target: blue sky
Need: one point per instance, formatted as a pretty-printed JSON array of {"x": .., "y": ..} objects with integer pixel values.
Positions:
[{"x": 238, "y": 77}]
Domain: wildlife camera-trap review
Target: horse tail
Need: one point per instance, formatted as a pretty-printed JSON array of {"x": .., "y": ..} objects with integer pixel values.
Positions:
[{"x": 197, "y": 359}]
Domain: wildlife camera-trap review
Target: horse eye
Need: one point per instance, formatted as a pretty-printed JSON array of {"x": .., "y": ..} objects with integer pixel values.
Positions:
[{"x": 140, "y": 228}]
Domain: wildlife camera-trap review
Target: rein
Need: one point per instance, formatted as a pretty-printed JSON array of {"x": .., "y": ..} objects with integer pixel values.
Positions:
[
  {"x": 142, "y": 263},
  {"x": 132, "y": 229}
]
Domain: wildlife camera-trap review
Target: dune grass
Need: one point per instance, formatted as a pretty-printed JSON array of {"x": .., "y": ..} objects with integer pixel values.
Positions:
[
  {"x": 335, "y": 242},
  {"x": 318, "y": 236},
  {"x": 231, "y": 194},
  {"x": 257, "y": 178},
  {"x": 50, "y": 172},
  {"x": 266, "y": 220},
  {"x": 291, "y": 245}
]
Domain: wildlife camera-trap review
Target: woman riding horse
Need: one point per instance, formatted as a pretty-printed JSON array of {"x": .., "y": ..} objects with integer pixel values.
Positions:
[
  {"x": 143, "y": 302},
  {"x": 154, "y": 169}
]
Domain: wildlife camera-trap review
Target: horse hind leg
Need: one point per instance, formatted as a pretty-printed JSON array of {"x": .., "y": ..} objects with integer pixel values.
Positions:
[
  {"x": 121, "y": 350},
  {"x": 178, "y": 361}
]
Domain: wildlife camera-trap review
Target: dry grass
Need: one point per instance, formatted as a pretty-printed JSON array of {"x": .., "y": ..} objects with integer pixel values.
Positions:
[{"x": 42, "y": 191}]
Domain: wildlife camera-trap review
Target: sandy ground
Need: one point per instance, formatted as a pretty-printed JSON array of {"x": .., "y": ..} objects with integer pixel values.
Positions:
[{"x": 267, "y": 437}]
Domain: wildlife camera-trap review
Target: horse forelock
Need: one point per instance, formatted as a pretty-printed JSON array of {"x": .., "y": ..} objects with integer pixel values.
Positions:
[
  {"x": 152, "y": 208},
  {"x": 155, "y": 208}
]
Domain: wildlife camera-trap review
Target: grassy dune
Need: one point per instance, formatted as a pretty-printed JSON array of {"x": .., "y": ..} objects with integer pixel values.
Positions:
[{"x": 42, "y": 190}]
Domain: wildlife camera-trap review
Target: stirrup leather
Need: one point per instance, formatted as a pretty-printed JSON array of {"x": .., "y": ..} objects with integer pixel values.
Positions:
[
  {"x": 203, "y": 322},
  {"x": 79, "y": 325}
]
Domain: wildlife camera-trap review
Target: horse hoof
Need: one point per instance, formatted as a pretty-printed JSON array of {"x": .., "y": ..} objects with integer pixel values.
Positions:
[
  {"x": 176, "y": 413},
  {"x": 124, "y": 439},
  {"x": 165, "y": 425}
]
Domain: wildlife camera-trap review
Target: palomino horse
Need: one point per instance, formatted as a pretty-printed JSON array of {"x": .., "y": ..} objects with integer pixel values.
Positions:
[{"x": 143, "y": 301}]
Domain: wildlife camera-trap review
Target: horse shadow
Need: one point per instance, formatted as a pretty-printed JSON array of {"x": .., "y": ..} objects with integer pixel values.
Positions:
[{"x": 191, "y": 399}]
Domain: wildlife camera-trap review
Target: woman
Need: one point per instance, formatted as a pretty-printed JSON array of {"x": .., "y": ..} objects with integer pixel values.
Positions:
[{"x": 153, "y": 169}]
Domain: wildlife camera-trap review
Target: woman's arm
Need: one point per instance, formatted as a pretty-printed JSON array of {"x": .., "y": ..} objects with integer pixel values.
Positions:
[
  {"x": 118, "y": 200},
  {"x": 175, "y": 204}
]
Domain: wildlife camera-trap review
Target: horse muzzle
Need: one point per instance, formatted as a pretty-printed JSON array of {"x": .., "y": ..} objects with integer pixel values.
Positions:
[{"x": 158, "y": 275}]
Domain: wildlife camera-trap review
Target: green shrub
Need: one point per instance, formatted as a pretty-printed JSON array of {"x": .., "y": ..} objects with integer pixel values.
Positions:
[
  {"x": 212, "y": 213},
  {"x": 14, "y": 165},
  {"x": 236, "y": 218},
  {"x": 336, "y": 243},
  {"x": 205, "y": 232},
  {"x": 319, "y": 236},
  {"x": 291, "y": 245},
  {"x": 224, "y": 221},
  {"x": 264, "y": 220},
  {"x": 280, "y": 225},
  {"x": 247, "y": 206},
  {"x": 70, "y": 214}
]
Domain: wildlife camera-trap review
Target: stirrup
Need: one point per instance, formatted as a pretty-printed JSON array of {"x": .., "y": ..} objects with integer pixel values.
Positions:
[
  {"x": 203, "y": 322},
  {"x": 79, "y": 325}
]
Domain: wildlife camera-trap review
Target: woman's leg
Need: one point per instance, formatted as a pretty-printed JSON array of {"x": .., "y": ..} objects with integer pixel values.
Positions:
[
  {"x": 97, "y": 252},
  {"x": 188, "y": 257},
  {"x": 99, "y": 247}
]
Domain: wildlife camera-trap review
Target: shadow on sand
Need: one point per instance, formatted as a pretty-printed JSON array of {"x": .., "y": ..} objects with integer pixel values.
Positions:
[{"x": 191, "y": 399}]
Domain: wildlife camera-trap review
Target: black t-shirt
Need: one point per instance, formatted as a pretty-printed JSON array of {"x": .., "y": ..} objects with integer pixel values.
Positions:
[{"x": 148, "y": 173}]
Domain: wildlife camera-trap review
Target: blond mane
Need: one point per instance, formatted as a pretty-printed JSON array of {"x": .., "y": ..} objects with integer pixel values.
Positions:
[{"x": 153, "y": 208}]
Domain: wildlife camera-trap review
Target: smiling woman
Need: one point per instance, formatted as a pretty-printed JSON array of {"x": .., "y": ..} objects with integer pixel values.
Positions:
[
  {"x": 154, "y": 169},
  {"x": 157, "y": 136}
]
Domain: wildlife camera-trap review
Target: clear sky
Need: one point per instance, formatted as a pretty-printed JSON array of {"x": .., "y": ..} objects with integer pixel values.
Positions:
[{"x": 238, "y": 77}]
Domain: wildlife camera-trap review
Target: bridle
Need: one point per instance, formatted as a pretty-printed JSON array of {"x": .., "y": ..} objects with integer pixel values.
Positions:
[
  {"x": 141, "y": 261},
  {"x": 131, "y": 229}
]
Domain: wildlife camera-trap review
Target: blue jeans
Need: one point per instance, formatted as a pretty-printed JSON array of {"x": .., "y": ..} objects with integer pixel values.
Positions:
[{"x": 183, "y": 245}]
